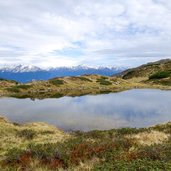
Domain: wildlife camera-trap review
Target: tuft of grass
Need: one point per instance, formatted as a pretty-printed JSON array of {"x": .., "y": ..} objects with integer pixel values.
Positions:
[
  {"x": 27, "y": 134},
  {"x": 84, "y": 79},
  {"x": 13, "y": 156},
  {"x": 126, "y": 131},
  {"x": 105, "y": 91},
  {"x": 17, "y": 88},
  {"x": 103, "y": 81},
  {"x": 57, "y": 82},
  {"x": 57, "y": 95},
  {"x": 137, "y": 165},
  {"x": 24, "y": 86},
  {"x": 128, "y": 74},
  {"x": 13, "y": 89}
]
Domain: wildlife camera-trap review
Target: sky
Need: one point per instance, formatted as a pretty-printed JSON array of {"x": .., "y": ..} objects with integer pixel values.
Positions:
[{"x": 51, "y": 33}]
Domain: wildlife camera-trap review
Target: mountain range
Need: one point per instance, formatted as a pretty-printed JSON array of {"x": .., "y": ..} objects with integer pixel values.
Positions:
[{"x": 24, "y": 73}]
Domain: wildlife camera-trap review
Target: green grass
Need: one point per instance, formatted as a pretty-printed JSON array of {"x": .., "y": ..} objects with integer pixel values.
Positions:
[
  {"x": 113, "y": 149},
  {"x": 84, "y": 79},
  {"x": 16, "y": 89},
  {"x": 160, "y": 75},
  {"x": 103, "y": 81},
  {"x": 135, "y": 165},
  {"x": 57, "y": 82},
  {"x": 105, "y": 91},
  {"x": 13, "y": 89},
  {"x": 56, "y": 95},
  {"x": 104, "y": 77},
  {"x": 128, "y": 74},
  {"x": 24, "y": 87},
  {"x": 26, "y": 133}
]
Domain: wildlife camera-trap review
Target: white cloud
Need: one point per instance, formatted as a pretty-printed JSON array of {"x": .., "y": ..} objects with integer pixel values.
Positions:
[{"x": 107, "y": 32}]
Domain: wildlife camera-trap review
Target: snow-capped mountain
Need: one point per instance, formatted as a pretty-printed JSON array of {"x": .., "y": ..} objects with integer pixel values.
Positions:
[
  {"x": 20, "y": 68},
  {"x": 24, "y": 73}
]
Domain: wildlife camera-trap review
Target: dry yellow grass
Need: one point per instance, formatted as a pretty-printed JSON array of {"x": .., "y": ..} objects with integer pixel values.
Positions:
[
  {"x": 150, "y": 137},
  {"x": 44, "y": 133}
]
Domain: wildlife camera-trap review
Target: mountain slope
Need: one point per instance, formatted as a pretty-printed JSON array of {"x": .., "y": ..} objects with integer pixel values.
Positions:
[
  {"x": 147, "y": 70},
  {"x": 154, "y": 73},
  {"x": 26, "y": 74}
]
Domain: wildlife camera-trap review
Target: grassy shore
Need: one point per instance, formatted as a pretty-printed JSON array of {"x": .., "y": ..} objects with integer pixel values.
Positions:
[
  {"x": 75, "y": 86},
  {"x": 156, "y": 75},
  {"x": 41, "y": 147}
]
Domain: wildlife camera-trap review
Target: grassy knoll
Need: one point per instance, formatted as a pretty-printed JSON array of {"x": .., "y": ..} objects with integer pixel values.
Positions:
[
  {"x": 38, "y": 146},
  {"x": 152, "y": 75},
  {"x": 77, "y": 86},
  {"x": 68, "y": 86}
]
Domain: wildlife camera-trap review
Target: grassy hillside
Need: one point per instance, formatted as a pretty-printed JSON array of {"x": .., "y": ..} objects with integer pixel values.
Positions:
[
  {"x": 148, "y": 69},
  {"x": 155, "y": 73},
  {"x": 4, "y": 84},
  {"x": 41, "y": 147},
  {"x": 151, "y": 75},
  {"x": 70, "y": 86}
]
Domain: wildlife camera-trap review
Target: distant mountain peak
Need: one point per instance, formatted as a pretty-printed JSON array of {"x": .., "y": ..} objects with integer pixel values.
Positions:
[
  {"x": 27, "y": 73},
  {"x": 19, "y": 68},
  {"x": 30, "y": 68}
]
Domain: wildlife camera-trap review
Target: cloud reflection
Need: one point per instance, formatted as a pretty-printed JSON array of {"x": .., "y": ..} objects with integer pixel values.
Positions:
[{"x": 133, "y": 108}]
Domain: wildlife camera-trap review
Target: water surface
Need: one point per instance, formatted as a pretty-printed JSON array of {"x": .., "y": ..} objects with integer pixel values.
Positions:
[{"x": 133, "y": 108}]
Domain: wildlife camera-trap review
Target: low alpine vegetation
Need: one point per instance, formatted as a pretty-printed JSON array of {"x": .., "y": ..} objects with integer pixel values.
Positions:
[
  {"x": 159, "y": 75},
  {"x": 57, "y": 82},
  {"x": 116, "y": 149}
]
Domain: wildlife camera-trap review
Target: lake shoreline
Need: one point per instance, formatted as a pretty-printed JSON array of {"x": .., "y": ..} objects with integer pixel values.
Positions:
[
  {"x": 93, "y": 112},
  {"x": 76, "y": 92},
  {"x": 22, "y": 145}
]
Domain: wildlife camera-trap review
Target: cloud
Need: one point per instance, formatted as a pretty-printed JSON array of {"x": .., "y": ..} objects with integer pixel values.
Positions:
[
  {"x": 91, "y": 112},
  {"x": 105, "y": 32}
]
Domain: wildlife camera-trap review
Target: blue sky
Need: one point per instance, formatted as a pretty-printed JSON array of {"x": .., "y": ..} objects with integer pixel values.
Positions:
[{"x": 78, "y": 32}]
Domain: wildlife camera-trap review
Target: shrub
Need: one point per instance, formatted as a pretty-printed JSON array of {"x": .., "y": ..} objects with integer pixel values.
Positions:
[
  {"x": 26, "y": 133},
  {"x": 57, "y": 95},
  {"x": 159, "y": 75},
  {"x": 105, "y": 92},
  {"x": 125, "y": 131},
  {"x": 24, "y": 87},
  {"x": 16, "y": 89},
  {"x": 104, "y": 78},
  {"x": 103, "y": 81},
  {"x": 13, "y": 155},
  {"x": 139, "y": 165},
  {"x": 84, "y": 79},
  {"x": 128, "y": 74},
  {"x": 42, "y": 151},
  {"x": 47, "y": 154},
  {"x": 13, "y": 89},
  {"x": 57, "y": 82}
]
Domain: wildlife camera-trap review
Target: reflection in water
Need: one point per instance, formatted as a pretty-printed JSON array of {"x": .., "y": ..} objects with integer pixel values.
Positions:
[{"x": 133, "y": 108}]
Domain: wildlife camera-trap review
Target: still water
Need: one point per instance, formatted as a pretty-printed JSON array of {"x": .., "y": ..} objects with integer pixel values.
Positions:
[{"x": 133, "y": 108}]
